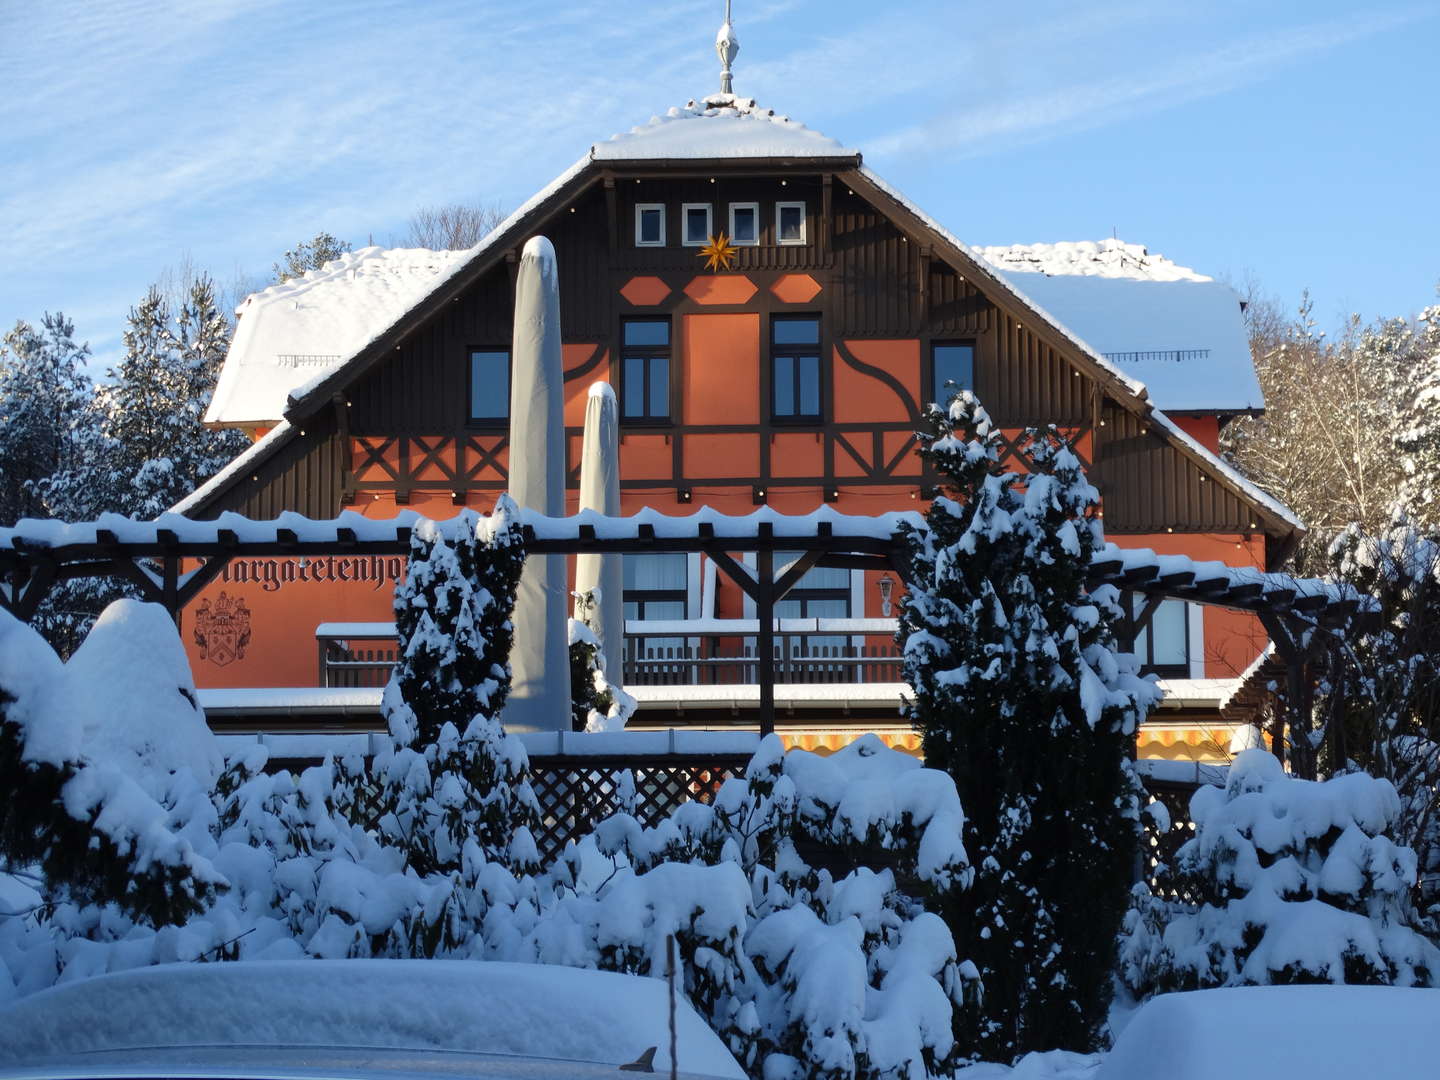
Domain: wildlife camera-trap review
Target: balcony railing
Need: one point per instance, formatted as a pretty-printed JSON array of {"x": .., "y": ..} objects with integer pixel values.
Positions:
[
  {"x": 681, "y": 652},
  {"x": 716, "y": 652}
]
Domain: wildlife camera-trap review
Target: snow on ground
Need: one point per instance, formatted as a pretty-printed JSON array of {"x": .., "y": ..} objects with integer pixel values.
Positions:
[
  {"x": 1265, "y": 1032},
  {"x": 1051, "y": 1065},
  {"x": 484, "y": 1006}
]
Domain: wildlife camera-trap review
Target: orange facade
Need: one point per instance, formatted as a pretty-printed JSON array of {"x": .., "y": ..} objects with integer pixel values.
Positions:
[{"x": 716, "y": 438}]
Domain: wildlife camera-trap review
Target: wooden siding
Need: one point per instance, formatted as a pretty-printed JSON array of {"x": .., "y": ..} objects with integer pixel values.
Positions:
[
  {"x": 878, "y": 288},
  {"x": 306, "y": 476},
  {"x": 1150, "y": 487}
]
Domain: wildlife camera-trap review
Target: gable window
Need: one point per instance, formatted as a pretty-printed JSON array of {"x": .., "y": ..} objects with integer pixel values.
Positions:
[
  {"x": 650, "y": 225},
  {"x": 790, "y": 223},
  {"x": 489, "y": 386},
  {"x": 696, "y": 217},
  {"x": 745, "y": 224},
  {"x": 795, "y": 367},
  {"x": 951, "y": 362},
  {"x": 645, "y": 370}
]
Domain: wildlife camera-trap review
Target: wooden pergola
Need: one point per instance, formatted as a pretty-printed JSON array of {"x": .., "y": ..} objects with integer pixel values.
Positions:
[{"x": 36, "y": 555}]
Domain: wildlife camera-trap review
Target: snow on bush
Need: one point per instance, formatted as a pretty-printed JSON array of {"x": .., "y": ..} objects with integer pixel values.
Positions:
[
  {"x": 106, "y": 790},
  {"x": 797, "y": 898},
  {"x": 596, "y": 703},
  {"x": 1298, "y": 881},
  {"x": 806, "y": 962}
]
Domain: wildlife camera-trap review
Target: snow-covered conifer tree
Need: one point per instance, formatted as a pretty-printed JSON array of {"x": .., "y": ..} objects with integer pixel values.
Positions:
[
  {"x": 1419, "y": 440},
  {"x": 1021, "y": 696},
  {"x": 153, "y": 448},
  {"x": 455, "y": 780},
  {"x": 44, "y": 412},
  {"x": 309, "y": 255}
]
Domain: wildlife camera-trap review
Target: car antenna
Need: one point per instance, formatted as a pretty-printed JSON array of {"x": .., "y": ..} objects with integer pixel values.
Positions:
[{"x": 644, "y": 1063}]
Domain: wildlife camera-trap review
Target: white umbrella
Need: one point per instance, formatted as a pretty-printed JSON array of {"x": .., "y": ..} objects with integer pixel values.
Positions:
[
  {"x": 601, "y": 575},
  {"x": 540, "y": 659}
]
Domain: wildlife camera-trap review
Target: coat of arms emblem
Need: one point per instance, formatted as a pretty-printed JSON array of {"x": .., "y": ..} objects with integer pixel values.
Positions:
[{"x": 222, "y": 629}]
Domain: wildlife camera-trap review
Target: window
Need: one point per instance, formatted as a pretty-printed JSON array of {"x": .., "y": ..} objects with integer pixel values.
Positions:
[
  {"x": 489, "y": 386},
  {"x": 795, "y": 367},
  {"x": 655, "y": 588},
  {"x": 745, "y": 224},
  {"x": 823, "y": 592},
  {"x": 951, "y": 362},
  {"x": 790, "y": 223},
  {"x": 696, "y": 217},
  {"x": 655, "y": 585},
  {"x": 650, "y": 225},
  {"x": 645, "y": 370},
  {"x": 1163, "y": 647}
]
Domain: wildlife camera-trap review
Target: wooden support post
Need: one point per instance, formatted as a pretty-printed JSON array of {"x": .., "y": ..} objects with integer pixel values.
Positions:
[
  {"x": 765, "y": 641},
  {"x": 170, "y": 587},
  {"x": 42, "y": 576},
  {"x": 1289, "y": 636}
]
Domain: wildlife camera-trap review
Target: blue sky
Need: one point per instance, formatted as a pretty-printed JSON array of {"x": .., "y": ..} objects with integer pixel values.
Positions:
[{"x": 1293, "y": 142}]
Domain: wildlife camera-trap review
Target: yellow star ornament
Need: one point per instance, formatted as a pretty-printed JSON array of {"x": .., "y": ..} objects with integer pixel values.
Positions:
[{"x": 719, "y": 254}]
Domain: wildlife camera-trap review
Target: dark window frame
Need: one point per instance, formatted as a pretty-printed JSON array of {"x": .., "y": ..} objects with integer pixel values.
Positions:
[
  {"x": 931, "y": 375},
  {"x": 488, "y": 423},
  {"x": 796, "y": 353},
  {"x": 648, "y": 354},
  {"x": 1136, "y": 602},
  {"x": 641, "y": 597}
]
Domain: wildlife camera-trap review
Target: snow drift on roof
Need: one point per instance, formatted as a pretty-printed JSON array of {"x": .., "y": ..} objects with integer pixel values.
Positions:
[
  {"x": 290, "y": 333},
  {"x": 722, "y": 126},
  {"x": 1088, "y": 258}
]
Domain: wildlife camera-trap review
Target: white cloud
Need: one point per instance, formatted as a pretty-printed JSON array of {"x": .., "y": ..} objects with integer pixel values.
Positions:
[{"x": 1094, "y": 102}]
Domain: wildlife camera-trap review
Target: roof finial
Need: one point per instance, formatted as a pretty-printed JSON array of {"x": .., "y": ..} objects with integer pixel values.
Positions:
[{"x": 727, "y": 45}]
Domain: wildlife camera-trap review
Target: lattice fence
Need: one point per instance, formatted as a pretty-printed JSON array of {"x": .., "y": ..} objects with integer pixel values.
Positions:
[
  {"x": 577, "y": 792},
  {"x": 1158, "y": 848}
]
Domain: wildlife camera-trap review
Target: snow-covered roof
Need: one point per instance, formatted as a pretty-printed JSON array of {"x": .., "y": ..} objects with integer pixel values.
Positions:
[
  {"x": 1089, "y": 258},
  {"x": 1179, "y": 332},
  {"x": 719, "y": 127},
  {"x": 290, "y": 333}
]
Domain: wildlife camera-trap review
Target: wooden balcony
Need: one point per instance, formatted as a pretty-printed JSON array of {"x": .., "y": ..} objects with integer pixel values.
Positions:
[{"x": 680, "y": 652}]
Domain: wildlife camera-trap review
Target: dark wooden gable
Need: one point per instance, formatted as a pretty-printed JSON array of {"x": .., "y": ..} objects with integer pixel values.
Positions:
[{"x": 886, "y": 275}]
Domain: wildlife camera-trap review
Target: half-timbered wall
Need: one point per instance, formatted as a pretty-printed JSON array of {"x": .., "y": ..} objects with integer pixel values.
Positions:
[{"x": 882, "y": 298}]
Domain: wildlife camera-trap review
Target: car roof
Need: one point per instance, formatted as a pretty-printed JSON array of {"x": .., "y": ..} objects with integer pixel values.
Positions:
[
  {"x": 524, "y": 1011},
  {"x": 241, "y": 1062}
]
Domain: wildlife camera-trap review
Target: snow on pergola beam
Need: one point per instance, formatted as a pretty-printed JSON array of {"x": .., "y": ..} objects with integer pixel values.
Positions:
[{"x": 36, "y": 554}]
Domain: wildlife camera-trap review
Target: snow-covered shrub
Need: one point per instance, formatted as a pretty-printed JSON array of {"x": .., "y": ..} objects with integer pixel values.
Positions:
[
  {"x": 803, "y": 974},
  {"x": 452, "y": 776},
  {"x": 1299, "y": 882},
  {"x": 1022, "y": 696},
  {"x": 106, "y": 766},
  {"x": 596, "y": 703}
]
